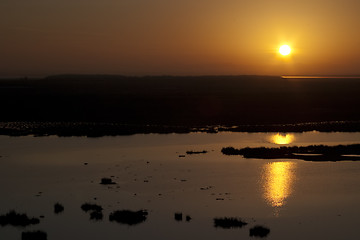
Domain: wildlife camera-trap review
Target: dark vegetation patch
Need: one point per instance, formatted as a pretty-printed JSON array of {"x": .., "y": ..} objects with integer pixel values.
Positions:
[
  {"x": 107, "y": 181},
  {"x": 128, "y": 217},
  {"x": 36, "y": 235},
  {"x": 58, "y": 208},
  {"x": 178, "y": 216},
  {"x": 16, "y": 219},
  {"x": 91, "y": 207},
  {"x": 259, "y": 231},
  {"x": 228, "y": 223},
  {"x": 94, "y": 209},
  {"x": 196, "y": 152},
  {"x": 316, "y": 152}
]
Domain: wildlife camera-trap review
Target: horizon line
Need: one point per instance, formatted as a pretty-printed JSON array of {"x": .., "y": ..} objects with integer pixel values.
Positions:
[
  {"x": 203, "y": 75},
  {"x": 316, "y": 76}
]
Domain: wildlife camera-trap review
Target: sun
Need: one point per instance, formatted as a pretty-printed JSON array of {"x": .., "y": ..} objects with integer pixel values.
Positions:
[{"x": 284, "y": 50}]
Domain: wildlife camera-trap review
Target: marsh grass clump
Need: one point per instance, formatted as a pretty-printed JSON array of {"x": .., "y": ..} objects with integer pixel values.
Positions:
[
  {"x": 196, "y": 152},
  {"x": 86, "y": 207},
  {"x": 58, "y": 208},
  {"x": 16, "y": 219},
  {"x": 107, "y": 181},
  {"x": 129, "y": 217},
  {"x": 94, "y": 209},
  {"x": 228, "y": 223},
  {"x": 259, "y": 231},
  {"x": 178, "y": 216},
  {"x": 37, "y": 235}
]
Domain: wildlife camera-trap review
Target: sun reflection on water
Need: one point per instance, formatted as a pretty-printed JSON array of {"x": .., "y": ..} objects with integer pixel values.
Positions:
[
  {"x": 278, "y": 179},
  {"x": 282, "y": 139}
]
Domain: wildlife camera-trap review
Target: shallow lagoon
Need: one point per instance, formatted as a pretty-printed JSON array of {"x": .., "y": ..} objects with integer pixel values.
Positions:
[{"x": 293, "y": 198}]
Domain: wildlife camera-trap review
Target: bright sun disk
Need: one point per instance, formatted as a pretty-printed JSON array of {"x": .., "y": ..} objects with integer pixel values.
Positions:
[{"x": 284, "y": 50}]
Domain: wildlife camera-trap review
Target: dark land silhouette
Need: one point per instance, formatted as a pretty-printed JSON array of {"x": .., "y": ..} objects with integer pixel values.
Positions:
[
  {"x": 178, "y": 216},
  {"x": 128, "y": 217},
  {"x": 58, "y": 208},
  {"x": 228, "y": 223},
  {"x": 196, "y": 152},
  {"x": 91, "y": 207},
  {"x": 259, "y": 231},
  {"x": 34, "y": 235},
  {"x": 107, "y": 181},
  {"x": 17, "y": 219},
  {"x": 94, "y": 210},
  {"x": 79, "y": 104},
  {"x": 317, "y": 153}
]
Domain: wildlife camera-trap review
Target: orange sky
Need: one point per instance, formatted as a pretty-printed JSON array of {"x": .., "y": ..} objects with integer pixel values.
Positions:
[{"x": 202, "y": 37}]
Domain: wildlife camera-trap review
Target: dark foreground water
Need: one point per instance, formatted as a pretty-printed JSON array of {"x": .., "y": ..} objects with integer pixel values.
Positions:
[{"x": 294, "y": 199}]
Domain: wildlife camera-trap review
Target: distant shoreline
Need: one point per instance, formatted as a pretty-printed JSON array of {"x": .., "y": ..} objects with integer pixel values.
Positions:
[
  {"x": 320, "y": 77},
  {"x": 92, "y": 129},
  {"x": 92, "y": 76},
  {"x": 159, "y": 103}
]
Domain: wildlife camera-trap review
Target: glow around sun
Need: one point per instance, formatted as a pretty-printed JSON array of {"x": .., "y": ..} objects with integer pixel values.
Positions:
[{"x": 285, "y": 50}]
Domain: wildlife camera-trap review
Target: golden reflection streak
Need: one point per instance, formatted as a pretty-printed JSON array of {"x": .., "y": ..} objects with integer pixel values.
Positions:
[
  {"x": 282, "y": 139},
  {"x": 278, "y": 179}
]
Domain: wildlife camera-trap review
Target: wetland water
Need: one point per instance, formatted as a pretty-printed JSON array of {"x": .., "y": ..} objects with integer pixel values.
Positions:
[{"x": 295, "y": 199}]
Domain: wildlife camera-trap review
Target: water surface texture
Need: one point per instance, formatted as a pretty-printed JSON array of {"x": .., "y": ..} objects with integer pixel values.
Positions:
[{"x": 295, "y": 199}]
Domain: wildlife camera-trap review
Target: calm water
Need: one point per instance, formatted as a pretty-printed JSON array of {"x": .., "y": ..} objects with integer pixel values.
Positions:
[{"x": 293, "y": 198}]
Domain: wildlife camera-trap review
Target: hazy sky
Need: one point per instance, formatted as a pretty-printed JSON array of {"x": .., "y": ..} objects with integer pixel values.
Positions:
[{"x": 179, "y": 37}]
